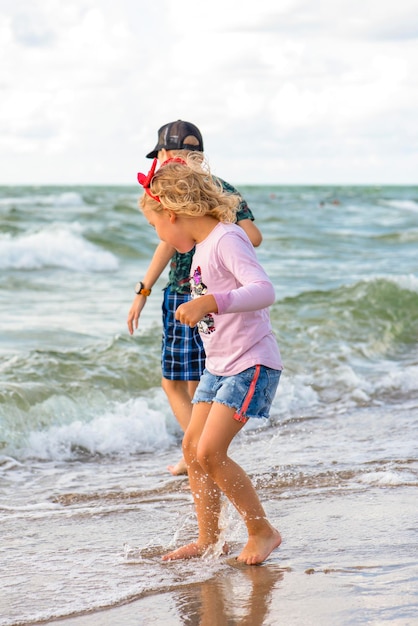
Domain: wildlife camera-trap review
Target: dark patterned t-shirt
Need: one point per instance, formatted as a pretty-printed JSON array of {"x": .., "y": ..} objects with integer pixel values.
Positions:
[{"x": 178, "y": 277}]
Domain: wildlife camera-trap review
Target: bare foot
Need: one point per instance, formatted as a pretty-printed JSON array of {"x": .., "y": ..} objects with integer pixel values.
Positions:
[
  {"x": 258, "y": 548},
  {"x": 193, "y": 550},
  {"x": 190, "y": 551},
  {"x": 179, "y": 469}
]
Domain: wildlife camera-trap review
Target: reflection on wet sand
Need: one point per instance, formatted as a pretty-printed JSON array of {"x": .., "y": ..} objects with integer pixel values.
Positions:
[{"x": 240, "y": 595}]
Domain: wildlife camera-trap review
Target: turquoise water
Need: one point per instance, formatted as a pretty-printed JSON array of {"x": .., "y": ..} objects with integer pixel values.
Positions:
[{"x": 85, "y": 430}]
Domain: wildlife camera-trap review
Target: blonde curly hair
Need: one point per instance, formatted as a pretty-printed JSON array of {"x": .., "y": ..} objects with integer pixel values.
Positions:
[{"x": 186, "y": 187}]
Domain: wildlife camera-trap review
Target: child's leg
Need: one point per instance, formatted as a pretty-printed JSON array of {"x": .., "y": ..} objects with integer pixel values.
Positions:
[
  {"x": 219, "y": 430},
  {"x": 211, "y": 470},
  {"x": 206, "y": 494},
  {"x": 182, "y": 359},
  {"x": 179, "y": 394}
]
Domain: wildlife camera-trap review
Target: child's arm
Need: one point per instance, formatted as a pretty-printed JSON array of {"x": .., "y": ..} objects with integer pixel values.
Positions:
[
  {"x": 254, "y": 234},
  {"x": 159, "y": 261},
  {"x": 254, "y": 290},
  {"x": 192, "y": 312},
  {"x": 244, "y": 216}
]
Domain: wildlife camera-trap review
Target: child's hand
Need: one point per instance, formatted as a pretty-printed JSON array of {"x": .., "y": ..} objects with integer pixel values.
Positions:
[
  {"x": 190, "y": 313},
  {"x": 134, "y": 312}
]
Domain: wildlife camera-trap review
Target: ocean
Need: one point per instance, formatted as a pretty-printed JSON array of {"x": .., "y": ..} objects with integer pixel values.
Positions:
[{"x": 87, "y": 506}]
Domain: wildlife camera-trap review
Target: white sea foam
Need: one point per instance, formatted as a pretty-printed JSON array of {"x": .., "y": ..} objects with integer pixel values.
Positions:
[
  {"x": 399, "y": 379},
  {"x": 408, "y": 282},
  {"x": 388, "y": 478},
  {"x": 54, "y": 247},
  {"x": 126, "y": 429},
  {"x": 338, "y": 388},
  {"x": 407, "y": 205},
  {"x": 64, "y": 199},
  {"x": 295, "y": 394}
]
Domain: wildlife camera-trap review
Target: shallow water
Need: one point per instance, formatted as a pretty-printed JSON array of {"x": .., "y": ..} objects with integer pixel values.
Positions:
[{"x": 87, "y": 507}]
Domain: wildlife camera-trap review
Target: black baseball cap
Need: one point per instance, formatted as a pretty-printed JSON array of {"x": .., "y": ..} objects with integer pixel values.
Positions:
[{"x": 172, "y": 137}]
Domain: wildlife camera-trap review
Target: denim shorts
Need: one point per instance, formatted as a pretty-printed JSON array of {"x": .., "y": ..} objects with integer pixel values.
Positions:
[{"x": 250, "y": 392}]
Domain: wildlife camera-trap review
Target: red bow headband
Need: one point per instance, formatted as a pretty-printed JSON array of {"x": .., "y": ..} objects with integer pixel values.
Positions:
[{"x": 146, "y": 181}]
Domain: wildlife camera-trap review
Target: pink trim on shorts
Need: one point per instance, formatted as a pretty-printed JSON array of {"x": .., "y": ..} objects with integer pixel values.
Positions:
[{"x": 240, "y": 417}]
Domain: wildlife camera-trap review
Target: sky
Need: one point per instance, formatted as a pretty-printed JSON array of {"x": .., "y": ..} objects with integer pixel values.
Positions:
[{"x": 283, "y": 91}]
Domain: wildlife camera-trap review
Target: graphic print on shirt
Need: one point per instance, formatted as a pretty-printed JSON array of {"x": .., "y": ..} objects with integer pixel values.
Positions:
[{"x": 197, "y": 289}]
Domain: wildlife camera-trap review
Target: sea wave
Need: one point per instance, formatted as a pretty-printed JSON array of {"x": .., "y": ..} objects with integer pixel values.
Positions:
[
  {"x": 353, "y": 345},
  {"x": 406, "y": 205},
  {"x": 31, "y": 198},
  {"x": 61, "y": 427},
  {"x": 129, "y": 428},
  {"x": 138, "y": 425},
  {"x": 54, "y": 247},
  {"x": 373, "y": 315}
]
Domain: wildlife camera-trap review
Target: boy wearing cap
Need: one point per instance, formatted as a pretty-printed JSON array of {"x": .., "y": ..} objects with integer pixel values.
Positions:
[{"x": 183, "y": 356}]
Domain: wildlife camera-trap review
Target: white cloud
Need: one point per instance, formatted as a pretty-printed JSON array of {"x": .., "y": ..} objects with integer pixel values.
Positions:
[{"x": 293, "y": 92}]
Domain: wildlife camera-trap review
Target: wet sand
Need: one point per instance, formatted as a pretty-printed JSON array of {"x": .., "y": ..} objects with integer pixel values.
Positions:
[{"x": 347, "y": 558}]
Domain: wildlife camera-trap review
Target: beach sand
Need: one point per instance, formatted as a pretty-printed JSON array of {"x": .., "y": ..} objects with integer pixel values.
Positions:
[{"x": 347, "y": 558}]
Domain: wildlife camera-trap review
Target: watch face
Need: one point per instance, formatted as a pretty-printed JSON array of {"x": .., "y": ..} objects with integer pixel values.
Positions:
[{"x": 138, "y": 287}]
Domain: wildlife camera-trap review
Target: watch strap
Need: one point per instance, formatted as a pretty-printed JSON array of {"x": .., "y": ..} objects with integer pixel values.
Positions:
[{"x": 140, "y": 289}]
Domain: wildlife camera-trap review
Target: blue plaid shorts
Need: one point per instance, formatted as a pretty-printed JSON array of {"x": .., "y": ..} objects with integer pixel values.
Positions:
[{"x": 182, "y": 354}]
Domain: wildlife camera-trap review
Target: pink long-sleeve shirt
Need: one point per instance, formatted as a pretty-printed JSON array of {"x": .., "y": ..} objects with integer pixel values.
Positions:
[{"x": 239, "y": 336}]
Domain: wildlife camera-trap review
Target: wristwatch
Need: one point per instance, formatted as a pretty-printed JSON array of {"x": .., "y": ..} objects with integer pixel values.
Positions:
[{"x": 140, "y": 289}]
